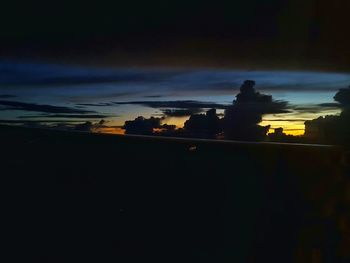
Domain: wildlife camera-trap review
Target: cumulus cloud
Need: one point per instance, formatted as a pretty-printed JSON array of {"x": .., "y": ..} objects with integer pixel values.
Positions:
[
  {"x": 343, "y": 96},
  {"x": 251, "y": 99},
  {"x": 144, "y": 126},
  {"x": 241, "y": 119},
  {"x": 203, "y": 125},
  {"x": 89, "y": 126},
  {"x": 141, "y": 125}
]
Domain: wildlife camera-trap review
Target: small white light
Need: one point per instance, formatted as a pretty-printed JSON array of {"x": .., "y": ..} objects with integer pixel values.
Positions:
[{"x": 192, "y": 148}]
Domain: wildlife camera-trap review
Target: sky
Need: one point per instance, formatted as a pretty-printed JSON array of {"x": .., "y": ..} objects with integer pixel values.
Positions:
[
  {"x": 83, "y": 59},
  {"x": 53, "y": 93}
]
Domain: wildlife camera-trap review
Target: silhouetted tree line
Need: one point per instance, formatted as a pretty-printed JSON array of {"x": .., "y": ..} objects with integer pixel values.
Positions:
[{"x": 241, "y": 121}]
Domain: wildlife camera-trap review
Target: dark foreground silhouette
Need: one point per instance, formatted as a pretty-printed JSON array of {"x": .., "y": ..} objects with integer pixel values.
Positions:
[{"x": 78, "y": 197}]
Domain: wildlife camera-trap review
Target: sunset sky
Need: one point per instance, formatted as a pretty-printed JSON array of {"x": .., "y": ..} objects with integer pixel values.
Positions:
[
  {"x": 120, "y": 94},
  {"x": 107, "y": 60}
]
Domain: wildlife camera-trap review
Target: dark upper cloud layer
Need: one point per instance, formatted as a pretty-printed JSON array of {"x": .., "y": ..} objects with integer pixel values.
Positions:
[
  {"x": 289, "y": 31},
  {"x": 26, "y": 73},
  {"x": 155, "y": 80}
]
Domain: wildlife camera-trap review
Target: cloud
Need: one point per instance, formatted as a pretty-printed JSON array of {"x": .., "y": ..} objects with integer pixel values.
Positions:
[
  {"x": 343, "y": 97},
  {"x": 7, "y": 96},
  {"x": 37, "y": 121},
  {"x": 44, "y": 74},
  {"x": 153, "y": 96},
  {"x": 181, "y": 112},
  {"x": 25, "y": 73},
  {"x": 329, "y": 129},
  {"x": 177, "y": 104},
  {"x": 253, "y": 100},
  {"x": 89, "y": 126},
  {"x": 71, "y": 125},
  {"x": 102, "y": 104},
  {"x": 241, "y": 119},
  {"x": 16, "y": 105},
  {"x": 329, "y": 105},
  {"x": 144, "y": 126},
  {"x": 289, "y": 120},
  {"x": 206, "y": 125},
  {"x": 68, "y": 116},
  {"x": 315, "y": 108},
  {"x": 332, "y": 129},
  {"x": 86, "y": 126}
]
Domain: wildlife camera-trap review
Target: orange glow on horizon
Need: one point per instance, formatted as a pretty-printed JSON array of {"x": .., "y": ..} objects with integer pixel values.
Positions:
[
  {"x": 110, "y": 130},
  {"x": 177, "y": 121},
  {"x": 293, "y": 123},
  {"x": 295, "y": 128}
]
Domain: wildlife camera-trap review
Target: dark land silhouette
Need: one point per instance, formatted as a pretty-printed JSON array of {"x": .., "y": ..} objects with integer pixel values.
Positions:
[
  {"x": 73, "y": 196},
  {"x": 84, "y": 197}
]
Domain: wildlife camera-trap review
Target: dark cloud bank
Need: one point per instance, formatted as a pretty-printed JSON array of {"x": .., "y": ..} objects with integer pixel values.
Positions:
[
  {"x": 241, "y": 119},
  {"x": 332, "y": 129}
]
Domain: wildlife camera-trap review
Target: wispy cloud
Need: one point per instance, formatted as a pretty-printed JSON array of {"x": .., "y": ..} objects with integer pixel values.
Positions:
[
  {"x": 68, "y": 116},
  {"x": 181, "y": 112},
  {"x": 102, "y": 104},
  {"x": 329, "y": 105},
  {"x": 7, "y": 96},
  {"x": 16, "y": 105},
  {"x": 176, "y": 104}
]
